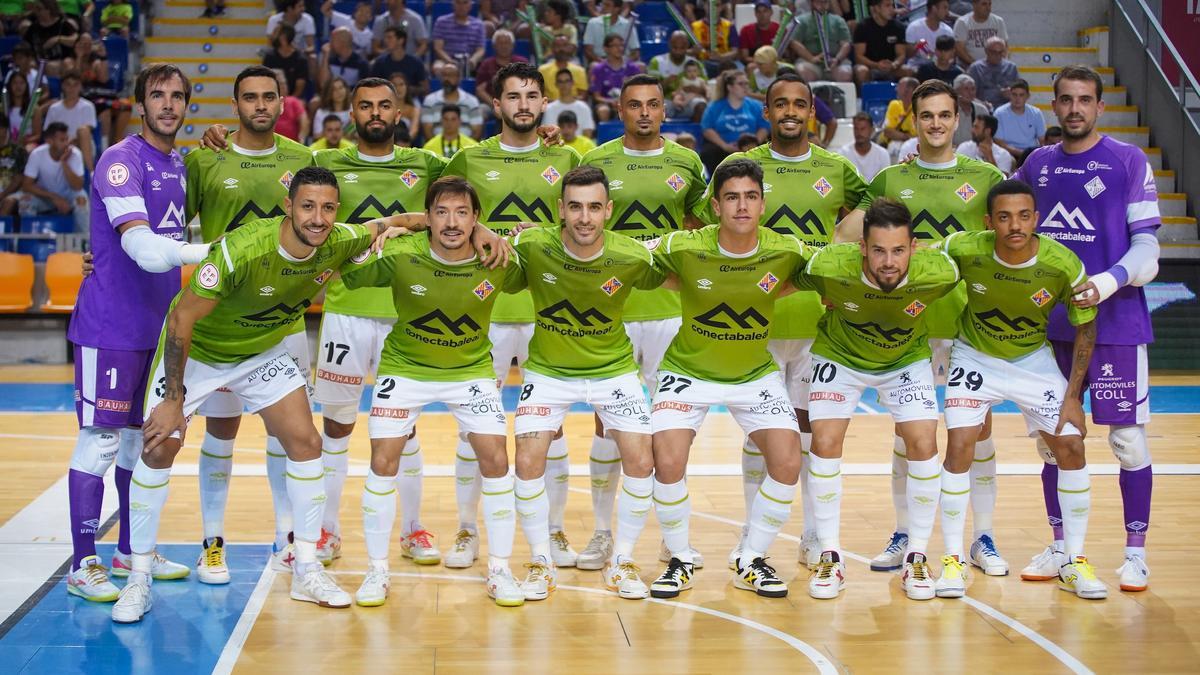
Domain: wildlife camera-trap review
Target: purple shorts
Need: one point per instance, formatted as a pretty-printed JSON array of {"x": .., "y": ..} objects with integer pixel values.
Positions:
[
  {"x": 110, "y": 386},
  {"x": 1118, "y": 380}
]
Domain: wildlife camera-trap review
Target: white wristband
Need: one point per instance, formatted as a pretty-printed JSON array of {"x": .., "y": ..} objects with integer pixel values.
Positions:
[{"x": 1106, "y": 285}]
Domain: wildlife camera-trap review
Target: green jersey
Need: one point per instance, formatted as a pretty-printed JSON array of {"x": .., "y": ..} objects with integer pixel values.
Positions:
[
  {"x": 1008, "y": 307},
  {"x": 261, "y": 291},
  {"x": 951, "y": 198},
  {"x": 652, "y": 192},
  {"x": 514, "y": 186},
  {"x": 579, "y": 304},
  {"x": 443, "y": 310},
  {"x": 728, "y": 302},
  {"x": 803, "y": 196},
  {"x": 236, "y": 186},
  {"x": 372, "y": 187},
  {"x": 865, "y": 328}
]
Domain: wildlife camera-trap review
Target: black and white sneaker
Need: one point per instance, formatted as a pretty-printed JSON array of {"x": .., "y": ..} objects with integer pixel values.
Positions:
[
  {"x": 675, "y": 579},
  {"x": 760, "y": 577}
]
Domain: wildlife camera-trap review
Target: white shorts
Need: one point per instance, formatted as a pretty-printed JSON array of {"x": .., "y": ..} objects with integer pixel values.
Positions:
[
  {"x": 682, "y": 402},
  {"x": 907, "y": 393},
  {"x": 794, "y": 358},
  {"x": 941, "y": 358},
  {"x": 619, "y": 401},
  {"x": 347, "y": 354},
  {"x": 509, "y": 341},
  {"x": 978, "y": 381},
  {"x": 397, "y": 403},
  {"x": 224, "y": 403},
  {"x": 650, "y": 341}
]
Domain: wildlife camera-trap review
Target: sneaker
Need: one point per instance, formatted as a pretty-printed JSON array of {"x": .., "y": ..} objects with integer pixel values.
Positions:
[
  {"x": 664, "y": 555},
  {"x": 134, "y": 600},
  {"x": 985, "y": 556},
  {"x": 829, "y": 578},
  {"x": 465, "y": 550},
  {"x": 892, "y": 557},
  {"x": 1044, "y": 565},
  {"x": 1135, "y": 576},
  {"x": 810, "y": 550},
  {"x": 329, "y": 547},
  {"x": 736, "y": 554},
  {"x": 504, "y": 589},
  {"x": 540, "y": 580},
  {"x": 207, "y": 14},
  {"x": 418, "y": 545},
  {"x": 161, "y": 568},
  {"x": 211, "y": 567},
  {"x": 560, "y": 550},
  {"x": 915, "y": 578},
  {"x": 315, "y": 585},
  {"x": 219, "y": 10},
  {"x": 374, "y": 589},
  {"x": 623, "y": 578},
  {"x": 953, "y": 582},
  {"x": 282, "y": 558},
  {"x": 1079, "y": 577},
  {"x": 674, "y": 580},
  {"x": 760, "y": 577},
  {"x": 90, "y": 581},
  {"x": 597, "y": 552}
]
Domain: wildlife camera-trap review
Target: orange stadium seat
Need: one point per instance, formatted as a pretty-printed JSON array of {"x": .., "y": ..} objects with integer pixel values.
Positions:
[
  {"x": 64, "y": 274},
  {"x": 16, "y": 282}
]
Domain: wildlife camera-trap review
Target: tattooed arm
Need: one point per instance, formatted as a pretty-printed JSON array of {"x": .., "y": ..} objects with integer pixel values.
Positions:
[
  {"x": 1081, "y": 356},
  {"x": 167, "y": 417}
]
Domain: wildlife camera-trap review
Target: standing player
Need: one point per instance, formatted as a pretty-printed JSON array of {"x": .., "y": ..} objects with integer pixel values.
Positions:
[
  {"x": 518, "y": 180},
  {"x": 951, "y": 192},
  {"x": 1014, "y": 278},
  {"x": 874, "y": 335},
  {"x": 656, "y": 185},
  {"x": 137, "y": 240},
  {"x": 728, "y": 276},
  {"x": 1098, "y": 198}
]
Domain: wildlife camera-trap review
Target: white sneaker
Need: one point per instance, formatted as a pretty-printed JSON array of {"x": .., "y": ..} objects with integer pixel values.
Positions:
[
  {"x": 664, "y": 555},
  {"x": 1044, "y": 565},
  {"x": 915, "y": 579},
  {"x": 211, "y": 567},
  {"x": 736, "y": 554},
  {"x": 623, "y": 578},
  {"x": 504, "y": 589},
  {"x": 134, "y": 600},
  {"x": 1079, "y": 577},
  {"x": 541, "y": 579},
  {"x": 1135, "y": 575},
  {"x": 161, "y": 569},
  {"x": 829, "y": 578},
  {"x": 418, "y": 545},
  {"x": 90, "y": 581},
  {"x": 892, "y": 556},
  {"x": 760, "y": 577},
  {"x": 329, "y": 547},
  {"x": 674, "y": 580},
  {"x": 597, "y": 552},
  {"x": 315, "y": 585},
  {"x": 560, "y": 550},
  {"x": 374, "y": 589},
  {"x": 953, "y": 581},
  {"x": 465, "y": 550},
  {"x": 985, "y": 556},
  {"x": 282, "y": 559},
  {"x": 810, "y": 550}
]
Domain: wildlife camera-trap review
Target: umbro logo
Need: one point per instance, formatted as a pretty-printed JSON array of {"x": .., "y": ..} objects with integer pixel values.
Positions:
[
  {"x": 704, "y": 284},
  {"x": 350, "y": 178},
  {"x": 230, "y": 183},
  {"x": 493, "y": 175},
  {"x": 417, "y": 289},
  {"x": 266, "y": 290},
  {"x": 549, "y": 278}
]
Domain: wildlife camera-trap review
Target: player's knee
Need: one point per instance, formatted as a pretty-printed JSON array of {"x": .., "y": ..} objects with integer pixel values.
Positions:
[
  {"x": 339, "y": 418},
  {"x": 959, "y": 456},
  {"x": 531, "y": 465},
  {"x": 95, "y": 450},
  {"x": 1044, "y": 450},
  {"x": 163, "y": 455},
  {"x": 224, "y": 428},
  {"x": 384, "y": 465},
  {"x": 1069, "y": 453},
  {"x": 637, "y": 465},
  {"x": 1129, "y": 446}
]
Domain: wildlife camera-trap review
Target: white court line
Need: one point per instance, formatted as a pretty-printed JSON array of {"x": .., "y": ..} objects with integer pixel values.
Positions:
[
  {"x": 868, "y": 409},
  {"x": 254, "y": 606}
]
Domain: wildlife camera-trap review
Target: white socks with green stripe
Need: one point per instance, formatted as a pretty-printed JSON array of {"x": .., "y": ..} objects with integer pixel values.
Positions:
[
  {"x": 673, "y": 506},
  {"x": 806, "y": 498},
  {"x": 534, "y": 508},
  {"x": 558, "y": 476},
  {"x": 1075, "y": 500},
  {"x": 825, "y": 483},
  {"x": 633, "y": 507},
  {"x": 923, "y": 489},
  {"x": 335, "y": 453},
  {"x": 753, "y": 471},
  {"x": 467, "y": 482},
  {"x": 306, "y": 490},
  {"x": 983, "y": 487},
  {"x": 772, "y": 508},
  {"x": 899, "y": 483},
  {"x": 604, "y": 465},
  {"x": 955, "y": 497},
  {"x": 499, "y": 518},
  {"x": 216, "y": 468},
  {"x": 147, "y": 496},
  {"x": 277, "y": 479},
  {"x": 410, "y": 481},
  {"x": 379, "y": 514}
]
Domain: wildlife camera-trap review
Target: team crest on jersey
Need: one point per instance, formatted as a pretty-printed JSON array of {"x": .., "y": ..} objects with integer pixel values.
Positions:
[
  {"x": 611, "y": 286},
  {"x": 1094, "y": 187},
  {"x": 118, "y": 174},
  {"x": 551, "y": 175},
  {"x": 965, "y": 192},
  {"x": 409, "y": 178},
  {"x": 286, "y": 180},
  {"x": 822, "y": 186},
  {"x": 484, "y": 289},
  {"x": 361, "y": 256},
  {"x": 323, "y": 277},
  {"x": 767, "y": 283},
  {"x": 1041, "y": 297},
  {"x": 208, "y": 276},
  {"x": 915, "y": 308},
  {"x": 676, "y": 182}
]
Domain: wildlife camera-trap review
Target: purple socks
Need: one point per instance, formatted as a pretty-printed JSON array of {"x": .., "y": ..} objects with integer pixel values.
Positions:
[
  {"x": 86, "y": 493},
  {"x": 1136, "y": 488}
]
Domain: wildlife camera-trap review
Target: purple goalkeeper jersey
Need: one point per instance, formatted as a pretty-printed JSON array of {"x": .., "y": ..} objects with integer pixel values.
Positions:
[
  {"x": 1094, "y": 202},
  {"x": 122, "y": 306}
]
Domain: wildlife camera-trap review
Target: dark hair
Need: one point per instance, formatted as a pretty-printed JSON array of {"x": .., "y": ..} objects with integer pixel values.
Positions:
[
  {"x": 287, "y": 32},
  {"x": 1082, "y": 73},
  {"x": 371, "y": 83},
  {"x": 1054, "y": 131},
  {"x": 54, "y": 128},
  {"x": 398, "y": 31},
  {"x": 23, "y": 49},
  {"x": 788, "y": 76},
  {"x": 989, "y": 122},
  {"x": 564, "y": 71},
  {"x": 1020, "y": 84},
  {"x": 253, "y": 71},
  {"x": 933, "y": 3},
  {"x": 863, "y": 116},
  {"x": 156, "y": 73},
  {"x": 284, "y": 5},
  {"x": 608, "y": 39},
  {"x": 567, "y": 117},
  {"x": 886, "y": 213},
  {"x": 641, "y": 80},
  {"x": 451, "y": 185},
  {"x": 746, "y": 142},
  {"x": 944, "y": 42},
  {"x": 872, "y": 3},
  {"x": 451, "y": 108},
  {"x": 1008, "y": 187},
  {"x": 584, "y": 175},
  {"x": 330, "y": 118},
  {"x": 738, "y": 168},
  {"x": 71, "y": 75},
  {"x": 560, "y": 7},
  {"x": 930, "y": 88},
  {"x": 312, "y": 175},
  {"x": 520, "y": 70}
]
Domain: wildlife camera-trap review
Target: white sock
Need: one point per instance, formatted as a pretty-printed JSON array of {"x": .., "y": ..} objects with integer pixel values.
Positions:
[
  {"x": 673, "y": 506},
  {"x": 216, "y": 468},
  {"x": 923, "y": 489},
  {"x": 467, "y": 482},
  {"x": 277, "y": 479},
  {"x": 1075, "y": 500},
  {"x": 810, "y": 526},
  {"x": 771, "y": 509},
  {"x": 825, "y": 482},
  {"x": 533, "y": 506},
  {"x": 956, "y": 488},
  {"x": 604, "y": 464},
  {"x": 147, "y": 497},
  {"x": 633, "y": 507},
  {"x": 899, "y": 483},
  {"x": 379, "y": 514},
  {"x": 558, "y": 477},
  {"x": 983, "y": 488},
  {"x": 754, "y": 468},
  {"x": 499, "y": 516},
  {"x": 335, "y": 453},
  {"x": 410, "y": 481},
  {"x": 306, "y": 489}
]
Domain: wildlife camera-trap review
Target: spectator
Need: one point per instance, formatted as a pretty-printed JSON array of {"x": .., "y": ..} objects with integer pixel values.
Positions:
[
  {"x": 334, "y": 99},
  {"x": 761, "y": 33},
  {"x": 568, "y": 126},
  {"x": 982, "y": 145},
  {"x": 331, "y": 135},
  {"x": 115, "y": 19},
  {"x": 686, "y": 140},
  {"x": 557, "y": 20},
  {"x": 12, "y": 12},
  {"x": 822, "y": 124},
  {"x": 730, "y": 116},
  {"x": 611, "y": 21},
  {"x": 691, "y": 96},
  {"x": 400, "y": 16},
  {"x": 1053, "y": 135},
  {"x": 922, "y": 36},
  {"x": 112, "y": 109},
  {"x": 291, "y": 13},
  {"x": 502, "y": 14},
  {"x": 451, "y": 140},
  {"x": 284, "y": 56},
  {"x": 408, "y": 108},
  {"x": 459, "y": 37},
  {"x": 567, "y": 101},
  {"x": 727, "y": 44},
  {"x": 402, "y": 138},
  {"x": 51, "y": 33},
  {"x": 969, "y": 107},
  {"x": 879, "y": 45},
  {"x": 469, "y": 108},
  {"x": 822, "y": 45},
  {"x": 868, "y": 156},
  {"x": 53, "y": 182},
  {"x": 396, "y": 59},
  {"x": 359, "y": 25},
  {"x": 213, "y": 8},
  {"x": 338, "y": 59},
  {"x": 1021, "y": 126},
  {"x": 670, "y": 67},
  {"x": 23, "y": 60},
  {"x": 747, "y": 142},
  {"x": 972, "y": 31},
  {"x": 564, "y": 59},
  {"x": 763, "y": 72},
  {"x": 293, "y": 119},
  {"x": 503, "y": 42},
  {"x": 608, "y": 75},
  {"x": 12, "y": 162},
  {"x": 18, "y": 102},
  {"x": 994, "y": 74},
  {"x": 898, "y": 124},
  {"x": 77, "y": 114},
  {"x": 944, "y": 65}
]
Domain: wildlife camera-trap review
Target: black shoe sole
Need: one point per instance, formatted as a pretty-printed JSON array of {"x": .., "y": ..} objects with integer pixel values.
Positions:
[
  {"x": 772, "y": 594},
  {"x": 886, "y": 569},
  {"x": 664, "y": 594}
]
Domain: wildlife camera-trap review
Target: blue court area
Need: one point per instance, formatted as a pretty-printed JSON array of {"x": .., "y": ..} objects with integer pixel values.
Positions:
[{"x": 185, "y": 632}]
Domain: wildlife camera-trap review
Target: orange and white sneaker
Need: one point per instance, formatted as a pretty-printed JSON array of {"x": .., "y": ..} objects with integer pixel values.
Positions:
[
  {"x": 282, "y": 559},
  {"x": 1044, "y": 565},
  {"x": 541, "y": 579},
  {"x": 161, "y": 569},
  {"x": 1135, "y": 575},
  {"x": 622, "y": 576},
  {"x": 90, "y": 581},
  {"x": 418, "y": 545},
  {"x": 1079, "y": 577},
  {"x": 329, "y": 547}
]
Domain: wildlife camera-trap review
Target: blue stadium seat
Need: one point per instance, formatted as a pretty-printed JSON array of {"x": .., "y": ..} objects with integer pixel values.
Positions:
[
  {"x": 7, "y": 43},
  {"x": 654, "y": 11},
  {"x": 875, "y": 96},
  {"x": 53, "y": 86},
  {"x": 6, "y": 227},
  {"x": 118, "y": 59},
  {"x": 692, "y": 128},
  {"x": 653, "y": 49},
  {"x": 606, "y": 131},
  {"x": 50, "y": 224},
  {"x": 40, "y": 249},
  {"x": 523, "y": 48},
  {"x": 491, "y": 127},
  {"x": 345, "y": 6},
  {"x": 654, "y": 32},
  {"x": 467, "y": 84},
  {"x": 439, "y": 8}
]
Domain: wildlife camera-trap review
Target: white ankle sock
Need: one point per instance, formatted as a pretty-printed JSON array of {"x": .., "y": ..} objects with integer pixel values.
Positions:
[
  {"x": 825, "y": 482},
  {"x": 409, "y": 483},
  {"x": 147, "y": 497},
  {"x": 955, "y": 497},
  {"x": 558, "y": 476},
  {"x": 499, "y": 515},
  {"x": 633, "y": 507},
  {"x": 1075, "y": 500},
  {"x": 306, "y": 490},
  {"x": 923, "y": 489},
  {"x": 673, "y": 506},
  {"x": 216, "y": 469},
  {"x": 604, "y": 465},
  {"x": 335, "y": 455},
  {"x": 379, "y": 513},
  {"x": 983, "y": 488},
  {"x": 534, "y": 508},
  {"x": 771, "y": 509},
  {"x": 467, "y": 482}
]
